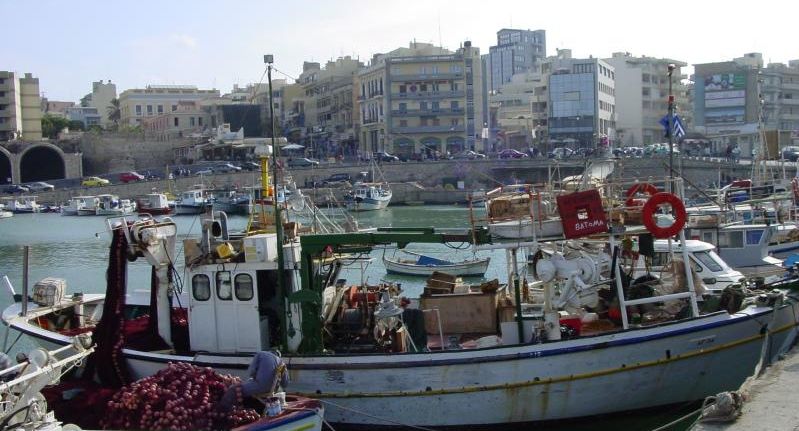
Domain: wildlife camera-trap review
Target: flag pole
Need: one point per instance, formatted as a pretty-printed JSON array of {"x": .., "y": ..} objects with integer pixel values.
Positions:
[{"x": 671, "y": 124}]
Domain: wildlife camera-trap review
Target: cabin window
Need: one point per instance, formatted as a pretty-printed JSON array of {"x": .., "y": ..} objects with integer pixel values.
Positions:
[
  {"x": 708, "y": 260},
  {"x": 224, "y": 290},
  {"x": 201, "y": 287},
  {"x": 244, "y": 289},
  {"x": 731, "y": 239},
  {"x": 753, "y": 236}
]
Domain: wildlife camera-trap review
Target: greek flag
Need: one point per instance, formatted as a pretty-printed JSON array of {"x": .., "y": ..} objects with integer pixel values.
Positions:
[{"x": 679, "y": 130}]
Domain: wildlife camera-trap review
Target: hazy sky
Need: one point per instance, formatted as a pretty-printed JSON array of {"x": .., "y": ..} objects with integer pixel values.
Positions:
[{"x": 213, "y": 44}]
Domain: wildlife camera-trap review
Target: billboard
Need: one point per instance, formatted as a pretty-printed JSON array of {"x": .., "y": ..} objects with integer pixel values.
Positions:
[{"x": 725, "y": 81}]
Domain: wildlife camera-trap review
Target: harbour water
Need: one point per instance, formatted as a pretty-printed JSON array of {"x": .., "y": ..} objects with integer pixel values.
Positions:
[{"x": 76, "y": 249}]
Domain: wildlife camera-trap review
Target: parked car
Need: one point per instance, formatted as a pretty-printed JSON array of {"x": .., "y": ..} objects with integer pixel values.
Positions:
[
  {"x": 386, "y": 157},
  {"x": 132, "y": 176},
  {"x": 790, "y": 153},
  {"x": 226, "y": 168},
  {"x": 251, "y": 166},
  {"x": 560, "y": 153},
  {"x": 468, "y": 155},
  {"x": 40, "y": 186},
  {"x": 301, "y": 162},
  {"x": 337, "y": 179},
  {"x": 94, "y": 182},
  {"x": 205, "y": 171},
  {"x": 15, "y": 188},
  {"x": 510, "y": 153}
]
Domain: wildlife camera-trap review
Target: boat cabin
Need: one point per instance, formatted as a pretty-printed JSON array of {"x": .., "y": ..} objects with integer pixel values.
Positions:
[{"x": 740, "y": 245}]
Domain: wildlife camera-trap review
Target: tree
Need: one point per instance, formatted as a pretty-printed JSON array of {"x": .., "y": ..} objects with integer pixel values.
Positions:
[
  {"x": 114, "y": 112},
  {"x": 52, "y": 124}
]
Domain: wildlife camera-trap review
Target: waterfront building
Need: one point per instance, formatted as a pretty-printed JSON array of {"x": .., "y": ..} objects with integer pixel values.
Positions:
[
  {"x": 55, "y": 107},
  {"x": 100, "y": 98},
  {"x": 520, "y": 112},
  {"x": 582, "y": 111},
  {"x": 188, "y": 119},
  {"x": 20, "y": 107},
  {"x": 327, "y": 105},
  {"x": 87, "y": 115},
  {"x": 516, "y": 52},
  {"x": 140, "y": 103},
  {"x": 642, "y": 92},
  {"x": 421, "y": 101}
]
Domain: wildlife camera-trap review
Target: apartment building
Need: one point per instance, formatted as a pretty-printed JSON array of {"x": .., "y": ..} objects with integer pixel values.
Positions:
[
  {"x": 582, "y": 101},
  {"x": 20, "y": 107},
  {"x": 138, "y": 104},
  {"x": 55, "y": 107},
  {"x": 100, "y": 98},
  {"x": 87, "y": 115},
  {"x": 516, "y": 51},
  {"x": 189, "y": 118},
  {"x": 421, "y": 101},
  {"x": 642, "y": 97},
  {"x": 520, "y": 111}
]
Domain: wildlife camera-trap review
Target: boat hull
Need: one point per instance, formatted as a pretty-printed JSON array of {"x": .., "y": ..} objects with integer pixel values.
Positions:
[
  {"x": 469, "y": 268},
  {"x": 665, "y": 364},
  {"x": 367, "y": 204},
  {"x": 155, "y": 211},
  {"x": 189, "y": 209}
]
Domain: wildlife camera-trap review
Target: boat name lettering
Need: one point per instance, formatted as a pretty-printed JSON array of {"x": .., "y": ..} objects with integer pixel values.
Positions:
[
  {"x": 588, "y": 224},
  {"x": 335, "y": 376},
  {"x": 704, "y": 340}
]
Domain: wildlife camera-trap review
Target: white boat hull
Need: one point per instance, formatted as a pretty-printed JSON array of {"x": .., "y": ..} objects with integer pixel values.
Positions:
[
  {"x": 523, "y": 229},
  {"x": 612, "y": 372},
  {"x": 368, "y": 204},
  {"x": 6, "y": 214},
  {"x": 468, "y": 268},
  {"x": 189, "y": 209}
]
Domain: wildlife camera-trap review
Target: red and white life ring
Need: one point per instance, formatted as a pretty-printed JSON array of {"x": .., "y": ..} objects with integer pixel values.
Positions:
[
  {"x": 639, "y": 188},
  {"x": 651, "y": 206}
]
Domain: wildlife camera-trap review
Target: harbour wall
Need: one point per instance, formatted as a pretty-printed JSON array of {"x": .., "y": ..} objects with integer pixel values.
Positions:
[{"x": 438, "y": 182}]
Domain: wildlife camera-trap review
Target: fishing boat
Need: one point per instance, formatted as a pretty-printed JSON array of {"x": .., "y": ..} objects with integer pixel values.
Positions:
[
  {"x": 154, "y": 204},
  {"x": 76, "y": 203},
  {"x": 192, "y": 202},
  {"x": 425, "y": 266},
  {"x": 89, "y": 207},
  {"x": 22, "y": 204},
  {"x": 111, "y": 205},
  {"x": 369, "y": 196},
  {"x": 552, "y": 358}
]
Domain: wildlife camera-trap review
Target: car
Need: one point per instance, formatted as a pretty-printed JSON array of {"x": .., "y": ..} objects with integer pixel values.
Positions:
[
  {"x": 510, "y": 153},
  {"x": 790, "y": 153},
  {"x": 337, "y": 179},
  {"x": 132, "y": 176},
  {"x": 94, "y": 182},
  {"x": 468, "y": 155},
  {"x": 15, "y": 188},
  {"x": 40, "y": 186},
  {"x": 301, "y": 162},
  {"x": 251, "y": 166},
  {"x": 386, "y": 157},
  {"x": 227, "y": 168},
  {"x": 205, "y": 171},
  {"x": 560, "y": 153}
]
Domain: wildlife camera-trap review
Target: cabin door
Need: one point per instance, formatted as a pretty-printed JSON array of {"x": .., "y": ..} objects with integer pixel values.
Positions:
[
  {"x": 202, "y": 314},
  {"x": 237, "y": 323}
]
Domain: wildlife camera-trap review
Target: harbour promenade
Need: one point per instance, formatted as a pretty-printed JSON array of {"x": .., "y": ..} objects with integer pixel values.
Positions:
[{"x": 770, "y": 400}]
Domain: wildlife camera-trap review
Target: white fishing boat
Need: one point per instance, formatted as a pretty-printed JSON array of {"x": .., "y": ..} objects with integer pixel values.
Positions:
[
  {"x": 89, "y": 206},
  {"x": 424, "y": 265},
  {"x": 76, "y": 203},
  {"x": 111, "y": 205},
  {"x": 192, "y": 202},
  {"x": 369, "y": 196},
  {"x": 6, "y": 214},
  {"x": 154, "y": 204},
  {"x": 532, "y": 370},
  {"x": 21, "y": 204}
]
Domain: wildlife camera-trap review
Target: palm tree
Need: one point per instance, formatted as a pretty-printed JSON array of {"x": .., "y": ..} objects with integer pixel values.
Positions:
[{"x": 114, "y": 112}]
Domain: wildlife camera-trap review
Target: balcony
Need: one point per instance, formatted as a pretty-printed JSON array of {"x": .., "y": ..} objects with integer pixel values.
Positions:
[
  {"x": 791, "y": 102},
  {"x": 427, "y": 77},
  {"x": 457, "y": 94},
  {"x": 428, "y": 129},
  {"x": 427, "y": 112}
]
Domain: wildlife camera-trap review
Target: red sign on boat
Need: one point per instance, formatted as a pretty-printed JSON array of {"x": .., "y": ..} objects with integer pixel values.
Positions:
[{"x": 581, "y": 214}]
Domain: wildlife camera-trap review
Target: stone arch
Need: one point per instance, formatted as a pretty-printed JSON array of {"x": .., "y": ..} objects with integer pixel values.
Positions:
[
  {"x": 430, "y": 145},
  {"x": 455, "y": 144},
  {"x": 6, "y": 171},
  {"x": 404, "y": 147},
  {"x": 41, "y": 162}
]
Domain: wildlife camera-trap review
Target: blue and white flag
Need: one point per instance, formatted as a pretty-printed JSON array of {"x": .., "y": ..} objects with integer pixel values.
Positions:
[{"x": 679, "y": 130}]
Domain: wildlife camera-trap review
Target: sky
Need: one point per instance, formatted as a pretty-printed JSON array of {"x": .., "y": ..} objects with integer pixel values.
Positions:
[{"x": 214, "y": 44}]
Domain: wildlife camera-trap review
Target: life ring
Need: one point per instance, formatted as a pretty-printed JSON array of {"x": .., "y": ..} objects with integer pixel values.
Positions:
[
  {"x": 639, "y": 188},
  {"x": 652, "y": 205}
]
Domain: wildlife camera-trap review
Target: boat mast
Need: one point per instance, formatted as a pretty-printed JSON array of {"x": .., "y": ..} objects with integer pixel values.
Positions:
[{"x": 283, "y": 291}]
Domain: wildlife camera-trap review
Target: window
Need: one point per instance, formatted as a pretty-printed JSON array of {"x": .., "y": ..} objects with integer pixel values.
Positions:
[
  {"x": 244, "y": 288},
  {"x": 2, "y": 94},
  {"x": 224, "y": 290},
  {"x": 149, "y": 109},
  {"x": 191, "y": 121},
  {"x": 160, "y": 109},
  {"x": 2, "y": 80},
  {"x": 138, "y": 109},
  {"x": 454, "y": 86},
  {"x": 201, "y": 287},
  {"x": 199, "y": 121},
  {"x": 435, "y": 86},
  {"x": 423, "y": 121},
  {"x": 436, "y": 122},
  {"x": 174, "y": 108},
  {"x": 435, "y": 106},
  {"x": 177, "y": 122},
  {"x": 708, "y": 258},
  {"x": 455, "y": 122},
  {"x": 403, "y": 123},
  {"x": 403, "y": 88},
  {"x": 454, "y": 105},
  {"x": 753, "y": 236},
  {"x": 423, "y": 106},
  {"x": 731, "y": 239},
  {"x": 423, "y": 87}
]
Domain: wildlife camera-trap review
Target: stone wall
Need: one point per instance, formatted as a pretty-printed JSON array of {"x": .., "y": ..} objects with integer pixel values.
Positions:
[{"x": 104, "y": 153}]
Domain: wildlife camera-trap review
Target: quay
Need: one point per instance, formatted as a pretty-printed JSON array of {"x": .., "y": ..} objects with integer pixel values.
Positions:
[{"x": 770, "y": 400}]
